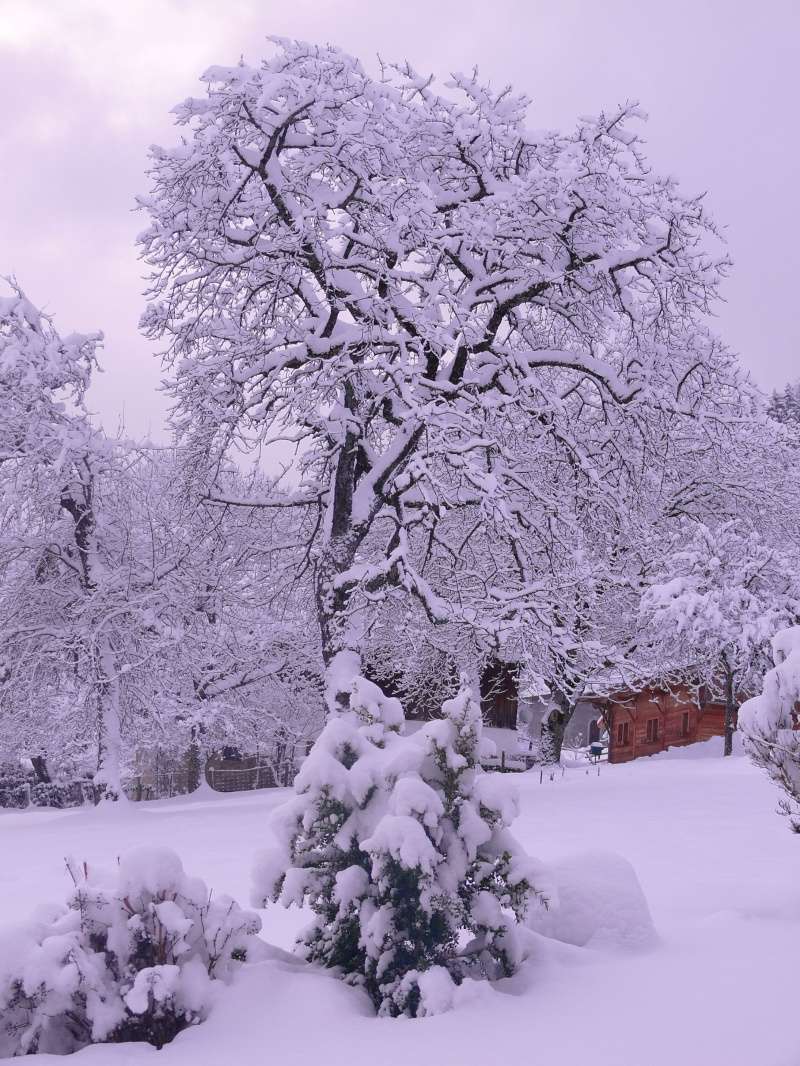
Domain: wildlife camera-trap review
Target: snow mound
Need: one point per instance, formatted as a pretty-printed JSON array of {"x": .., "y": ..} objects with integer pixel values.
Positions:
[
  {"x": 597, "y": 903},
  {"x": 704, "y": 749}
]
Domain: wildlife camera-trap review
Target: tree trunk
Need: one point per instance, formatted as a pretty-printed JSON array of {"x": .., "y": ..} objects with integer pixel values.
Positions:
[
  {"x": 40, "y": 769},
  {"x": 554, "y": 727},
  {"x": 193, "y": 763},
  {"x": 339, "y": 645},
  {"x": 109, "y": 742},
  {"x": 731, "y": 707},
  {"x": 78, "y": 501}
]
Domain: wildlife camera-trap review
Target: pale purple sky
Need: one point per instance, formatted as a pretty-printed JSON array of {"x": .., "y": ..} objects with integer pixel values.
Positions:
[{"x": 87, "y": 85}]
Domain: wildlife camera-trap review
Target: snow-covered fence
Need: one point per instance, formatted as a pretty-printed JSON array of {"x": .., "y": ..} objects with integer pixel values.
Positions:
[
  {"x": 20, "y": 791},
  {"x": 163, "y": 784},
  {"x": 509, "y": 762},
  {"x": 520, "y": 762},
  {"x": 227, "y": 779}
]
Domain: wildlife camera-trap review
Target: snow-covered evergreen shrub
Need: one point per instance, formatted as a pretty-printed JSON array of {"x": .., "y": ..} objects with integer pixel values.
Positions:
[
  {"x": 133, "y": 956},
  {"x": 399, "y": 844},
  {"x": 769, "y": 723},
  {"x": 14, "y": 796},
  {"x": 15, "y": 787},
  {"x": 20, "y": 790},
  {"x": 61, "y": 794}
]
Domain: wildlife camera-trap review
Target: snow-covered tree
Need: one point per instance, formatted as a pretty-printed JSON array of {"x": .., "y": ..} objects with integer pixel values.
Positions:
[
  {"x": 48, "y": 458},
  {"x": 784, "y": 406},
  {"x": 43, "y": 380},
  {"x": 722, "y": 592},
  {"x": 424, "y": 297},
  {"x": 239, "y": 658},
  {"x": 769, "y": 723},
  {"x": 203, "y": 651},
  {"x": 400, "y": 846},
  {"x": 78, "y": 594}
]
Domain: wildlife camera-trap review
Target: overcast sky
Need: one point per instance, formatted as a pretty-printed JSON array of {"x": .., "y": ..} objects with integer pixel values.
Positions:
[{"x": 87, "y": 85}]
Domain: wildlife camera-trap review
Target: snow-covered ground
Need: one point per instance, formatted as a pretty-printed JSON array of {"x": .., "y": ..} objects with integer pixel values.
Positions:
[{"x": 719, "y": 869}]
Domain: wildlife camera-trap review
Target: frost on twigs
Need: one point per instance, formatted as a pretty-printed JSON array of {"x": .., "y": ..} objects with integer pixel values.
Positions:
[
  {"x": 133, "y": 956},
  {"x": 769, "y": 723},
  {"x": 400, "y": 846}
]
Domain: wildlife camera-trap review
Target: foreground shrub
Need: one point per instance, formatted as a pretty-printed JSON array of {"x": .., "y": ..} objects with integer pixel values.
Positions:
[
  {"x": 770, "y": 723},
  {"x": 133, "y": 956},
  {"x": 400, "y": 847}
]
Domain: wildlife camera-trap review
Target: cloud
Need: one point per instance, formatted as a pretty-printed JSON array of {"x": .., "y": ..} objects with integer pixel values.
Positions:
[{"x": 89, "y": 84}]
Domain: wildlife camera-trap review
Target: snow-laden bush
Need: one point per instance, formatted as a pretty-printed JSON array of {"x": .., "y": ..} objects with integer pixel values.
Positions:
[
  {"x": 20, "y": 789},
  {"x": 768, "y": 723},
  {"x": 14, "y": 795},
  {"x": 399, "y": 844},
  {"x": 133, "y": 956}
]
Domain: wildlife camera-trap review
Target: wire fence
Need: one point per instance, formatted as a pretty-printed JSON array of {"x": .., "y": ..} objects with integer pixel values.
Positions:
[
  {"x": 165, "y": 783},
  {"x": 226, "y": 779}
]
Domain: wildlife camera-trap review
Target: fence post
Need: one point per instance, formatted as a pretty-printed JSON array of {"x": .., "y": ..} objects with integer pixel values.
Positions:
[{"x": 502, "y": 759}]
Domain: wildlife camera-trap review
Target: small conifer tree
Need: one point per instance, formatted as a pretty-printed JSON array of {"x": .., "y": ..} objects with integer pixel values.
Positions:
[{"x": 400, "y": 846}]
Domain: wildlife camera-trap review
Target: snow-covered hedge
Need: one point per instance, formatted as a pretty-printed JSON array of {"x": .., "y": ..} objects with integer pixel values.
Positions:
[
  {"x": 400, "y": 846},
  {"x": 768, "y": 722},
  {"x": 133, "y": 956},
  {"x": 19, "y": 790}
]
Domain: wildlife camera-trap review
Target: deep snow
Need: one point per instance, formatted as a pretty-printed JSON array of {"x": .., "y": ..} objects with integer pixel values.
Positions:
[{"x": 718, "y": 868}]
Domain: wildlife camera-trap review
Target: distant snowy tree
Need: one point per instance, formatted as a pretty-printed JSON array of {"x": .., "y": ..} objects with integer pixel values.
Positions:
[
  {"x": 724, "y": 593},
  {"x": 132, "y": 614},
  {"x": 400, "y": 846},
  {"x": 432, "y": 304},
  {"x": 43, "y": 380},
  {"x": 239, "y": 657},
  {"x": 769, "y": 723},
  {"x": 49, "y": 454},
  {"x": 784, "y": 406}
]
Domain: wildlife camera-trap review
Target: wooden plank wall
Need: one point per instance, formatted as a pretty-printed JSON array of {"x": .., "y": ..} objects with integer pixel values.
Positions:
[{"x": 668, "y": 709}]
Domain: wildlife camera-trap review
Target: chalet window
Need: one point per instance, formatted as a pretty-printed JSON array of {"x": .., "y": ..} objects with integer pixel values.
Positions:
[
  {"x": 623, "y": 734},
  {"x": 685, "y": 724},
  {"x": 652, "y": 730}
]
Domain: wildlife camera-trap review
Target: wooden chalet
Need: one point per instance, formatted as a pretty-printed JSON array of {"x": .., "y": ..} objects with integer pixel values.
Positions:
[
  {"x": 639, "y": 721},
  {"x": 652, "y": 719}
]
